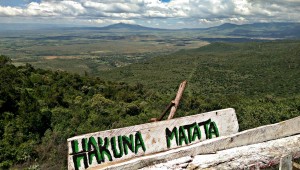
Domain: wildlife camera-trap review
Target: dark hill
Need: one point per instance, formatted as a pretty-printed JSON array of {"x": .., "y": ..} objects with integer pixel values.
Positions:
[
  {"x": 226, "y": 26},
  {"x": 132, "y": 27}
]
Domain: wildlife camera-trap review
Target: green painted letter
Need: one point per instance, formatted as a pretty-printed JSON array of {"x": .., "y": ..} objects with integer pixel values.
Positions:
[
  {"x": 170, "y": 135},
  {"x": 139, "y": 142},
  {"x": 213, "y": 130},
  {"x": 182, "y": 136},
  {"x": 114, "y": 147}
]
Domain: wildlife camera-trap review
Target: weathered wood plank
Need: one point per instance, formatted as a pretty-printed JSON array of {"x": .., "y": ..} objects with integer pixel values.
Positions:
[
  {"x": 121, "y": 144},
  {"x": 253, "y": 136},
  {"x": 252, "y": 157}
]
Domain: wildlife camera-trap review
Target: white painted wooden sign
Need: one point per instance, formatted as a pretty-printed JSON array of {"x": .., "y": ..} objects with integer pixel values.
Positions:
[{"x": 93, "y": 149}]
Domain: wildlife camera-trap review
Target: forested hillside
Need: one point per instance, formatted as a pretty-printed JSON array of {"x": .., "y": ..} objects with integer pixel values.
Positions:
[
  {"x": 40, "y": 109},
  {"x": 261, "y": 80}
]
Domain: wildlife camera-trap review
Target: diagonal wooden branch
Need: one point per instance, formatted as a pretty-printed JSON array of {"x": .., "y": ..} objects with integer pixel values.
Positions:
[
  {"x": 177, "y": 99},
  {"x": 173, "y": 104},
  {"x": 164, "y": 113}
]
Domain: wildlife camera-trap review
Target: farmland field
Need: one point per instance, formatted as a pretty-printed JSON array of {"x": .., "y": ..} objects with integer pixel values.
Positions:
[{"x": 86, "y": 51}]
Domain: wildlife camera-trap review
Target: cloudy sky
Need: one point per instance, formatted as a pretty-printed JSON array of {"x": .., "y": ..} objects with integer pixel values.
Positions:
[{"x": 154, "y": 13}]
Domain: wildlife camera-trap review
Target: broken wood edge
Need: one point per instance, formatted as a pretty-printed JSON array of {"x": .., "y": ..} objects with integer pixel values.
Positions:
[{"x": 252, "y": 136}]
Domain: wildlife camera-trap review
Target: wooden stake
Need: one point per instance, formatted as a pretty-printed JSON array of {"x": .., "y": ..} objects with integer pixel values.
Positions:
[
  {"x": 177, "y": 99},
  {"x": 173, "y": 104}
]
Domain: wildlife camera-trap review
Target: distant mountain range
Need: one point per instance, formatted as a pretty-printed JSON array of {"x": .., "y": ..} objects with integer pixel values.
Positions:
[
  {"x": 271, "y": 30},
  {"x": 255, "y": 30}
]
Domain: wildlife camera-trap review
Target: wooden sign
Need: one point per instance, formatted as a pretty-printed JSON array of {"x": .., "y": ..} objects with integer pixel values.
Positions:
[{"x": 102, "y": 147}]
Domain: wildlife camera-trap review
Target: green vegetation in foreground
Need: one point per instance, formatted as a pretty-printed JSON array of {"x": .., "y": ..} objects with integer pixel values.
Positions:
[{"x": 40, "y": 109}]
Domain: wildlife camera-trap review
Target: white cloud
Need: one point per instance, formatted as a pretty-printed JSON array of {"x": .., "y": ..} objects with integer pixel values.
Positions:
[
  {"x": 10, "y": 11},
  {"x": 43, "y": 9},
  {"x": 48, "y": 8},
  {"x": 109, "y": 21},
  {"x": 242, "y": 7},
  {"x": 73, "y": 7},
  {"x": 198, "y": 11},
  {"x": 112, "y": 7}
]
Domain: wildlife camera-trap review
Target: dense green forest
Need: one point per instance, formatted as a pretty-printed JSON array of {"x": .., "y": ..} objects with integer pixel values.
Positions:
[{"x": 40, "y": 109}]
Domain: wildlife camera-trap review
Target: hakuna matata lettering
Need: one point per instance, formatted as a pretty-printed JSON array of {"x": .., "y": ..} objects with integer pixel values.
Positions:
[
  {"x": 189, "y": 133},
  {"x": 105, "y": 149}
]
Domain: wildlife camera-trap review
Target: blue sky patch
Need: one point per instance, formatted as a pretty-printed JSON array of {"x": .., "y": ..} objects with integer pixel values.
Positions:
[
  {"x": 165, "y": 0},
  {"x": 16, "y": 2}
]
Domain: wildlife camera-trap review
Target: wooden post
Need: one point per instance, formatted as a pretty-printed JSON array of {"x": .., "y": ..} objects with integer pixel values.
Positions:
[{"x": 177, "y": 99}]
